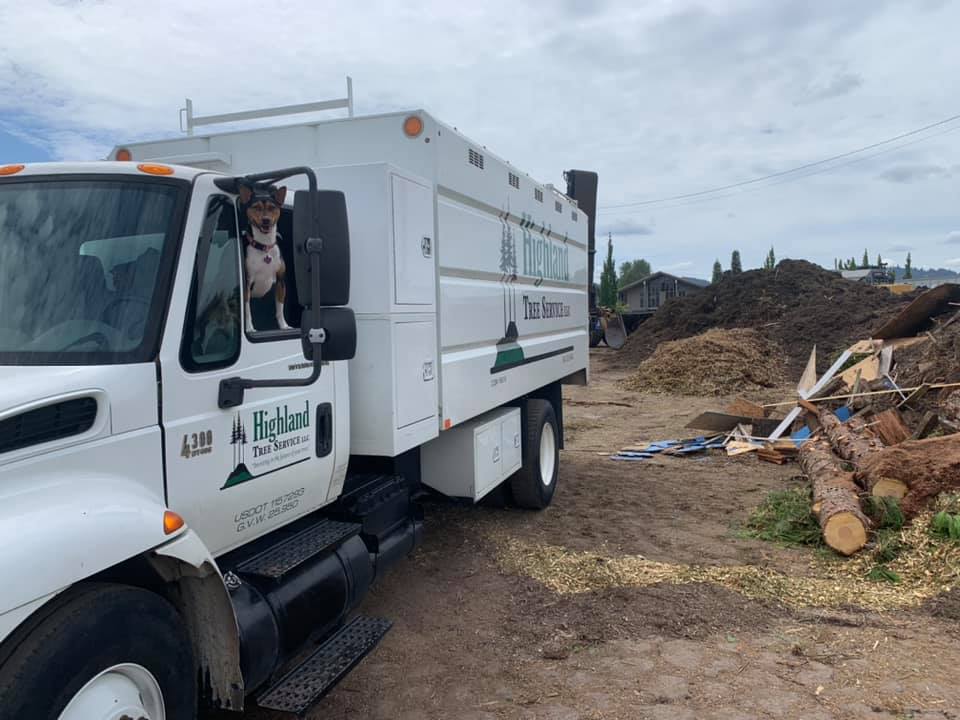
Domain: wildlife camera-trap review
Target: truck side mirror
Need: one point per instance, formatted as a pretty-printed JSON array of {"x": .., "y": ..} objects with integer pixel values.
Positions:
[
  {"x": 326, "y": 221},
  {"x": 339, "y": 332}
]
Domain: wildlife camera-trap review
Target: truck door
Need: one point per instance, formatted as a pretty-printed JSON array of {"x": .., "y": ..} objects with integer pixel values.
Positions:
[{"x": 238, "y": 473}]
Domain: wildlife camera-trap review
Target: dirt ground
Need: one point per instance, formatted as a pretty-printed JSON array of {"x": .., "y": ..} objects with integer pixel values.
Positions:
[{"x": 475, "y": 640}]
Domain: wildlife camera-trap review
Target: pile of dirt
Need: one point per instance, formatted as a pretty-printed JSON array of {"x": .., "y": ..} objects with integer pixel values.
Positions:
[
  {"x": 717, "y": 362},
  {"x": 798, "y": 304}
]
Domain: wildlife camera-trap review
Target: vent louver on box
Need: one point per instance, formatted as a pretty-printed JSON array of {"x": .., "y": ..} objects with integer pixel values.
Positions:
[
  {"x": 475, "y": 158},
  {"x": 557, "y": 206},
  {"x": 514, "y": 180},
  {"x": 538, "y": 194},
  {"x": 53, "y": 422}
]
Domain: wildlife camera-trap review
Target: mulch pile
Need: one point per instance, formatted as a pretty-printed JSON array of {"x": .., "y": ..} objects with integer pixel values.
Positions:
[
  {"x": 717, "y": 362},
  {"x": 796, "y": 305}
]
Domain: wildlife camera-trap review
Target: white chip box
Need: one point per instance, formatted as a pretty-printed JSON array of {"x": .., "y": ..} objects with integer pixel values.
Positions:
[{"x": 492, "y": 440}]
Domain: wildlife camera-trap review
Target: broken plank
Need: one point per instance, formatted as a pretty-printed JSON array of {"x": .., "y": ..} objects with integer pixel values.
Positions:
[
  {"x": 771, "y": 456},
  {"x": 828, "y": 375},
  {"x": 724, "y": 422},
  {"x": 927, "y": 424},
  {"x": 915, "y": 395},
  {"x": 891, "y": 428},
  {"x": 809, "y": 377},
  {"x": 745, "y": 408},
  {"x": 786, "y": 423}
]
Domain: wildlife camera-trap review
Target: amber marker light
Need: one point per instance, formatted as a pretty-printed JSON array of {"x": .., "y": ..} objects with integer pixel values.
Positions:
[
  {"x": 11, "y": 169},
  {"x": 171, "y": 522},
  {"x": 413, "y": 126},
  {"x": 151, "y": 169}
]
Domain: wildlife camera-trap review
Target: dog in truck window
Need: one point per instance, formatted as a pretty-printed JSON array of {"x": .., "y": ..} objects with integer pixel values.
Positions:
[{"x": 262, "y": 263}]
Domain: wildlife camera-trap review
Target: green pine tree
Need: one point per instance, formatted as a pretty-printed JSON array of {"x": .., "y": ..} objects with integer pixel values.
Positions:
[
  {"x": 879, "y": 260},
  {"x": 908, "y": 269},
  {"x": 735, "y": 267},
  {"x": 608, "y": 278},
  {"x": 717, "y": 272},
  {"x": 770, "y": 262},
  {"x": 866, "y": 259}
]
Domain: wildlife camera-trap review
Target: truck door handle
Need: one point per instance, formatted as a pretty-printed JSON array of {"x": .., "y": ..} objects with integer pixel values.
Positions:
[{"x": 324, "y": 429}]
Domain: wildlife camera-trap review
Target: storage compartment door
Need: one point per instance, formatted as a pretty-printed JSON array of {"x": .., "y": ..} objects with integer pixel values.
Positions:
[
  {"x": 414, "y": 245},
  {"x": 487, "y": 460},
  {"x": 415, "y": 365},
  {"x": 512, "y": 452}
]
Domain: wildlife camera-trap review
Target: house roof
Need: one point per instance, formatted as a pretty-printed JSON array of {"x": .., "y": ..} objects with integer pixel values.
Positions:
[{"x": 652, "y": 276}]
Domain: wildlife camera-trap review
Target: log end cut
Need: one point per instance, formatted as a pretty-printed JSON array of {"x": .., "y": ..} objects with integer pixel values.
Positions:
[
  {"x": 889, "y": 487},
  {"x": 845, "y": 533}
]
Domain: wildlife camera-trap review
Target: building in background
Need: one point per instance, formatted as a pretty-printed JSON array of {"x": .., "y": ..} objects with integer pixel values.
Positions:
[{"x": 646, "y": 295}]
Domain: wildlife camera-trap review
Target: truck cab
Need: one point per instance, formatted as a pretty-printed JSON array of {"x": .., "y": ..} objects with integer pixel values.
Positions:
[{"x": 206, "y": 500}]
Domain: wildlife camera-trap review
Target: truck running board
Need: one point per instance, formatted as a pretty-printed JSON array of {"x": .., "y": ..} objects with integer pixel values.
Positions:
[
  {"x": 277, "y": 561},
  {"x": 307, "y": 683}
]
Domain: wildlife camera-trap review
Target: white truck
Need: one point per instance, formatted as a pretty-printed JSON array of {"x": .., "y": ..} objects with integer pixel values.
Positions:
[{"x": 187, "y": 506}]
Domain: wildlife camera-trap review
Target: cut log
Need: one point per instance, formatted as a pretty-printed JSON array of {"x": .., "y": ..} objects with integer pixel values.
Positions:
[
  {"x": 836, "y": 498},
  {"x": 888, "y": 487},
  {"x": 852, "y": 440},
  {"x": 925, "y": 467}
]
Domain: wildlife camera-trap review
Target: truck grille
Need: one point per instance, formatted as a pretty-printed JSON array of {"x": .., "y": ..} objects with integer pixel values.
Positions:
[{"x": 53, "y": 422}]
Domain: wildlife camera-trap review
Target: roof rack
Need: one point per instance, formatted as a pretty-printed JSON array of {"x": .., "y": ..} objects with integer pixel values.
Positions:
[{"x": 188, "y": 121}]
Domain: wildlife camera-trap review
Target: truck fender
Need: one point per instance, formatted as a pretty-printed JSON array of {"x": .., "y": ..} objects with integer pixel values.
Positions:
[
  {"x": 203, "y": 600},
  {"x": 69, "y": 528}
]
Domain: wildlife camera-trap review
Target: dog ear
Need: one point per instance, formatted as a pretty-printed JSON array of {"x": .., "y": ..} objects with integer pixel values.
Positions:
[
  {"x": 245, "y": 192},
  {"x": 279, "y": 195}
]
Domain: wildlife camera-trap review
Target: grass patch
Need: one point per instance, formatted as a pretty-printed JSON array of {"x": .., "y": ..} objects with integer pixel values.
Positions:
[
  {"x": 785, "y": 517},
  {"x": 881, "y": 573},
  {"x": 888, "y": 545},
  {"x": 945, "y": 526},
  {"x": 885, "y": 512}
]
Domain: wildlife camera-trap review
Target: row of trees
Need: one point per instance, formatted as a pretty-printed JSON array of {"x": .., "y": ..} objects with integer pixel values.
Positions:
[
  {"x": 851, "y": 264},
  {"x": 736, "y": 266}
]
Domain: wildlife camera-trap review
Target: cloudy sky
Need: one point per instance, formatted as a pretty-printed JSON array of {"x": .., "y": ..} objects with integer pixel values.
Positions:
[{"x": 662, "y": 98}]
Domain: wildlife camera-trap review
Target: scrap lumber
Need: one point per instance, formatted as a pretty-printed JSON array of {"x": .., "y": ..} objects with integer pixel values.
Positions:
[
  {"x": 890, "y": 427},
  {"x": 950, "y": 411},
  {"x": 928, "y": 422},
  {"x": 724, "y": 422},
  {"x": 924, "y": 467},
  {"x": 771, "y": 456},
  {"x": 809, "y": 377},
  {"x": 836, "y": 500},
  {"x": 915, "y": 395},
  {"x": 827, "y": 377},
  {"x": 745, "y": 408}
]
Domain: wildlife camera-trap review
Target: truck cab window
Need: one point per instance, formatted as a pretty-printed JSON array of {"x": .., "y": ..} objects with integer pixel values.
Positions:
[
  {"x": 263, "y": 309},
  {"x": 212, "y": 331}
]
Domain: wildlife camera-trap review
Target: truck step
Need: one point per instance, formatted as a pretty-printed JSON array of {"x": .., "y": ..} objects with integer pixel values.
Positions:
[
  {"x": 307, "y": 683},
  {"x": 278, "y": 560}
]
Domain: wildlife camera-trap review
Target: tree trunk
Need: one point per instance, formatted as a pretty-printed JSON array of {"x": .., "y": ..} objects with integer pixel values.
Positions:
[
  {"x": 852, "y": 441},
  {"x": 855, "y": 443},
  {"x": 836, "y": 499},
  {"x": 923, "y": 469}
]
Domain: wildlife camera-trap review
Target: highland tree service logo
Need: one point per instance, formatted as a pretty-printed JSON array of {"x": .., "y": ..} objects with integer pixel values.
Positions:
[{"x": 281, "y": 437}]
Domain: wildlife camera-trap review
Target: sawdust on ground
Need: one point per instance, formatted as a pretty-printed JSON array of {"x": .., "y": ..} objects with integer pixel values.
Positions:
[
  {"x": 716, "y": 362},
  {"x": 927, "y": 567}
]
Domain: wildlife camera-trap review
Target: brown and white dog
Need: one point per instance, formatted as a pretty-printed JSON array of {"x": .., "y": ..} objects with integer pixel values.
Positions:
[{"x": 263, "y": 264}]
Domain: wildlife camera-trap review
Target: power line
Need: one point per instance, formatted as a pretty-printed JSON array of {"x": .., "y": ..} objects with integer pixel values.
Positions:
[
  {"x": 781, "y": 173},
  {"x": 794, "y": 178}
]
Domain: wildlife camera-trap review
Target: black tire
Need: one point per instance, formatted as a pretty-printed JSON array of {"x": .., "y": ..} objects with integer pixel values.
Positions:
[
  {"x": 530, "y": 489},
  {"x": 89, "y": 628}
]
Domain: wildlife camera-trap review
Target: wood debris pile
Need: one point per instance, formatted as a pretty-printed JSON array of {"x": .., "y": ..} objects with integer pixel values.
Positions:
[{"x": 716, "y": 362}]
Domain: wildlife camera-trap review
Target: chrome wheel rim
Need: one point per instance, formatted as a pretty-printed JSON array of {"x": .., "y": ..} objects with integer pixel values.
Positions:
[{"x": 126, "y": 690}]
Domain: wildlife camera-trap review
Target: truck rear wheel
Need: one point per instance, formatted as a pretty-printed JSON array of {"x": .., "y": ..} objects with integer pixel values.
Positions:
[
  {"x": 100, "y": 652},
  {"x": 535, "y": 482}
]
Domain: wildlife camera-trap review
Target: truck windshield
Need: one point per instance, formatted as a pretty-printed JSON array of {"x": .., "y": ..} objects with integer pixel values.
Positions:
[{"x": 84, "y": 268}]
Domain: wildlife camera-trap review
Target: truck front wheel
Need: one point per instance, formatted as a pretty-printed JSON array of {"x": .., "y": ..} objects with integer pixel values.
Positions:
[
  {"x": 535, "y": 482},
  {"x": 100, "y": 652}
]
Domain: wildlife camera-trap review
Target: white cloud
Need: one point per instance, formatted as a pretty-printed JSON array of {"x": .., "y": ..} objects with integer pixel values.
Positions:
[
  {"x": 660, "y": 98},
  {"x": 953, "y": 238}
]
